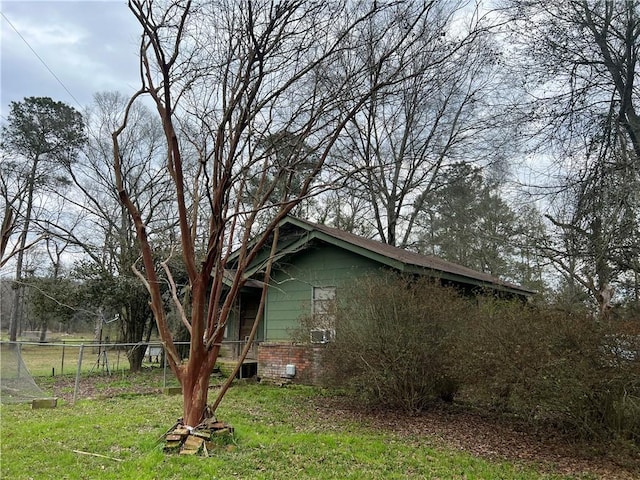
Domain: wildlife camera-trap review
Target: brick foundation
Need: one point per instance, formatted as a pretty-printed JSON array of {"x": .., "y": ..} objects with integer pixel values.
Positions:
[{"x": 274, "y": 357}]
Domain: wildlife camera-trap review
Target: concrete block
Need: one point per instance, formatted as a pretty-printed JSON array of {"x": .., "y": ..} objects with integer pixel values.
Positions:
[
  {"x": 172, "y": 390},
  {"x": 44, "y": 403}
]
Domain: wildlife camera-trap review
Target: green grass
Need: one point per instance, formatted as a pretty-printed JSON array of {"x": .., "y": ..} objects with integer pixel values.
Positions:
[{"x": 279, "y": 435}]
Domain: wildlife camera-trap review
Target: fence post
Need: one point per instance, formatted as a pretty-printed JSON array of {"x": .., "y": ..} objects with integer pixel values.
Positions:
[
  {"x": 164, "y": 362},
  {"x": 75, "y": 390},
  {"x": 62, "y": 363},
  {"x": 19, "y": 348}
]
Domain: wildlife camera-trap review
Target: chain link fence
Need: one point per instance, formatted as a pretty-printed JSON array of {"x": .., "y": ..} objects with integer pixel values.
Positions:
[{"x": 74, "y": 370}]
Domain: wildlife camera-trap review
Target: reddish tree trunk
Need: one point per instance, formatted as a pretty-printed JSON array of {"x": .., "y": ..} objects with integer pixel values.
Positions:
[
  {"x": 195, "y": 389},
  {"x": 194, "y": 378}
]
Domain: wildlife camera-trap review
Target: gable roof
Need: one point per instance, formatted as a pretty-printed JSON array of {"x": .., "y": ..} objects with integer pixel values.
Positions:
[{"x": 296, "y": 234}]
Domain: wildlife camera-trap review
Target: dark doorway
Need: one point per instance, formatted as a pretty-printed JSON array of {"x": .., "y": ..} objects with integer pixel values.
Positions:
[{"x": 249, "y": 302}]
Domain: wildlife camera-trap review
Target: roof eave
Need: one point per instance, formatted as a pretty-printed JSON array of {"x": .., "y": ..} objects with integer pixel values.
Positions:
[{"x": 399, "y": 265}]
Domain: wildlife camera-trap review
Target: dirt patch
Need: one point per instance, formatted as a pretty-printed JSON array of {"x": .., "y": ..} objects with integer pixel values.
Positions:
[{"x": 495, "y": 438}]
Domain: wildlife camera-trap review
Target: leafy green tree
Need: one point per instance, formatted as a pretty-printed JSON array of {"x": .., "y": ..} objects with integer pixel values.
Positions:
[
  {"x": 40, "y": 135},
  {"x": 467, "y": 222},
  {"x": 107, "y": 295},
  {"x": 51, "y": 300}
]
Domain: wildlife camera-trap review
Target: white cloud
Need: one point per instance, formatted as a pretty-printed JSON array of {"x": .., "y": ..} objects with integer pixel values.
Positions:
[
  {"x": 89, "y": 47},
  {"x": 43, "y": 36}
]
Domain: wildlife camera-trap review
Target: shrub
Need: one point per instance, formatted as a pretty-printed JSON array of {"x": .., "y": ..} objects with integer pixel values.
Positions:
[
  {"x": 404, "y": 342},
  {"x": 393, "y": 338},
  {"x": 552, "y": 366}
]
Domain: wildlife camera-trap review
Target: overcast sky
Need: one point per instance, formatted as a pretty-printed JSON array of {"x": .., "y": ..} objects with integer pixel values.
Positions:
[{"x": 90, "y": 46}]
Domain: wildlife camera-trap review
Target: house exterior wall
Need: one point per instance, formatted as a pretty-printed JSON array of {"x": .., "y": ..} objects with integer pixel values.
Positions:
[
  {"x": 293, "y": 279},
  {"x": 319, "y": 263},
  {"x": 290, "y": 297}
]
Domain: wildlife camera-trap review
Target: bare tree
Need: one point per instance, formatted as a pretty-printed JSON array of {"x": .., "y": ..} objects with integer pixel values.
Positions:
[
  {"x": 597, "y": 229},
  {"x": 579, "y": 65},
  {"x": 398, "y": 148},
  {"x": 105, "y": 233},
  {"x": 242, "y": 72},
  {"x": 578, "y": 62}
]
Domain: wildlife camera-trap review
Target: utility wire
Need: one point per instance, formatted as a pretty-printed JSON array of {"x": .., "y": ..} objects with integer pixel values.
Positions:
[{"x": 40, "y": 58}]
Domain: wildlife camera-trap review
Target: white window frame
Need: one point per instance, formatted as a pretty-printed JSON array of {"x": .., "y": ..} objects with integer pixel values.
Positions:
[{"x": 322, "y": 298}]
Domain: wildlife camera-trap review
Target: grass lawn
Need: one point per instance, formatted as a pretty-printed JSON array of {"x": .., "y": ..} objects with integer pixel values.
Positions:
[{"x": 281, "y": 433}]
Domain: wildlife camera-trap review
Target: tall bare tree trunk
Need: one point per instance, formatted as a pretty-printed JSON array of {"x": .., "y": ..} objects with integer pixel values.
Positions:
[{"x": 18, "y": 299}]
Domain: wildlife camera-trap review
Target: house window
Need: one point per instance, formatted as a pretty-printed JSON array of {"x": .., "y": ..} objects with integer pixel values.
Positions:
[{"x": 323, "y": 305}]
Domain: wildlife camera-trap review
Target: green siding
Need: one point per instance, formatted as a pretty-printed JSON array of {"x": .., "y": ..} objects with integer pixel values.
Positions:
[{"x": 289, "y": 296}]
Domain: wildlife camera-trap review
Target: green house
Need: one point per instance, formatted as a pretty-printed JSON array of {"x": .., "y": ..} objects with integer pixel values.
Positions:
[{"x": 313, "y": 262}]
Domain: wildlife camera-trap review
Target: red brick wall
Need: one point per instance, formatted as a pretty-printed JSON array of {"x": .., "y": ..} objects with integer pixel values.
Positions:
[{"x": 274, "y": 357}]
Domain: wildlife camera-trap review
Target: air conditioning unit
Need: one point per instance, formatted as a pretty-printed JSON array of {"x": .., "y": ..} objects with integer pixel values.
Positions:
[{"x": 322, "y": 336}]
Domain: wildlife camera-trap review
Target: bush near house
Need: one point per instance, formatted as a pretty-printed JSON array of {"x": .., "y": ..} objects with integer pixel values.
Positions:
[
  {"x": 394, "y": 339},
  {"x": 553, "y": 366},
  {"x": 406, "y": 343}
]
